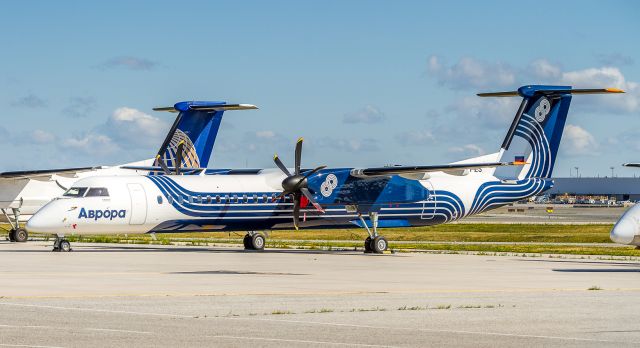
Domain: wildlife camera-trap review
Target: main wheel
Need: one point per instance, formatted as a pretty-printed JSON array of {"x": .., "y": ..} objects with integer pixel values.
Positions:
[
  {"x": 367, "y": 245},
  {"x": 65, "y": 245},
  {"x": 20, "y": 235},
  {"x": 379, "y": 244},
  {"x": 246, "y": 241},
  {"x": 257, "y": 241},
  {"x": 12, "y": 235}
]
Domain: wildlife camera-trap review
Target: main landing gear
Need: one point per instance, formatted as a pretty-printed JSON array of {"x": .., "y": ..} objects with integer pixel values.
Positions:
[
  {"x": 375, "y": 243},
  {"x": 17, "y": 233},
  {"x": 253, "y": 241},
  {"x": 61, "y": 244}
]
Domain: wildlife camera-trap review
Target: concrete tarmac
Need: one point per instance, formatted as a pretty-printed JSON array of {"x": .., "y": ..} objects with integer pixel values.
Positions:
[{"x": 123, "y": 295}]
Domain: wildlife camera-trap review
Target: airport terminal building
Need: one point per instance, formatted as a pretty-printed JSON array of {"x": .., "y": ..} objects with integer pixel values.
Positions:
[{"x": 616, "y": 188}]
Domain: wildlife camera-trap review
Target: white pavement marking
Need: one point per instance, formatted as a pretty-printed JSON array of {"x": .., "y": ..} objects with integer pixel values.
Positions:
[
  {"x": 297, "y": 341},
  {"x": 26, "y": 345},
  {"x": 329, "y": 324},
  {"x": 434, "y": 330},
  {"x": 71, "y": 328},
  {"x": 95, "y": 310}
]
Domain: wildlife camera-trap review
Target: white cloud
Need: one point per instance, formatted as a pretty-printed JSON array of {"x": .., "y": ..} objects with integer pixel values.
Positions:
[
  {"x": 468, "y": 150},
  {"x": 42, "y": 137},
  {"x": 369, "y": 114},
  {"x": 543, "y": 69},
  {"x": 349, "y": 145},
  {"x": 93, "y": 145},
  {"x": 415, "y": 138},
  {"x": 127, "y": 132},
  {"x": 484, "y": 112},
  {"x": 578, "y": 141},
  {"x": 605, "y": 77},
  {"x": 265, "y": 134},
  {"x": 471, "y": 73},
  {"x": 133, "y": 127}
]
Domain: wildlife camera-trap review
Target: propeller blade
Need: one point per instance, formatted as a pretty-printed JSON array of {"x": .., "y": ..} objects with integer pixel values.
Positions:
[
  {"x": 305, "y": 191},
  {"x": 298, "y": 156},
  {"x": 281, "y": 165},
  {"x": 179, "y": 156},
  {"x": 314, "y": 171},
  {"x": 296, "y": 210},
  {"x": 162, "y": 165}
]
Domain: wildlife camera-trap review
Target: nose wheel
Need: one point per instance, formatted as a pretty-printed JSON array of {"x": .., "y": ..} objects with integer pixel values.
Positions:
[
  {"x": 375, "y": 243},
  {"x": 61, "y": 245}
]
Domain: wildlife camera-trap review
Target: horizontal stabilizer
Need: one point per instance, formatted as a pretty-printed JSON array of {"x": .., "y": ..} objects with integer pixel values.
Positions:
[
  {"x": 224, "y": 107},
  {"x": 636, "y": 165},
  {"x": 530, "y": 90},
  {"x": 426, "y": 169}
]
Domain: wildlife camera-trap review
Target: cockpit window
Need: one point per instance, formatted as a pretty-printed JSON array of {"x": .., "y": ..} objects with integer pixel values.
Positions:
[
  {"x": 75, "y": 192},
  {"x": 98, "y": 192}
]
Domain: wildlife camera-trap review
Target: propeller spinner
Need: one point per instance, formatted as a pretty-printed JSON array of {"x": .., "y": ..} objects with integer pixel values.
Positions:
[{"x": 296, "y": 184}]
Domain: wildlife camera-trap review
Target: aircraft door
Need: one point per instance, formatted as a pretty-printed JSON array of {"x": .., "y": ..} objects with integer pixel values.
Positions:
[
  {"x": 138, "y": 213},
  {"x": 429, "y": 205}
]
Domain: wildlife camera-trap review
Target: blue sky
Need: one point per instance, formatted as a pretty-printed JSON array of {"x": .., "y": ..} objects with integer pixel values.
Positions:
[{"x": 365, "y": 82}]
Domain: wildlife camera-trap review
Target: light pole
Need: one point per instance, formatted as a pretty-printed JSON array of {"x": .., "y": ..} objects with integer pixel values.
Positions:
[
  {"x": 612, "y": 171},
  {"x": 577, "y": 172}
]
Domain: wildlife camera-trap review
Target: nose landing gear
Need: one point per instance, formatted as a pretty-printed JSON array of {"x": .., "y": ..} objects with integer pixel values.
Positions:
[
  {"x": 375, "y": 243},
  {"x": 61, "y": 244}
]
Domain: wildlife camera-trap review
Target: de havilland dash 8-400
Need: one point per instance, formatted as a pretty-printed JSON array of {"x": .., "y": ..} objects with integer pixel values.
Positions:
[{"x": 200, "y": 199}]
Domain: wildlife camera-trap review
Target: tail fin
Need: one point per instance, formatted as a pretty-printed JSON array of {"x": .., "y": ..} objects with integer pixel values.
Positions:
[
  {"x": 197, "y": 126},
  {"x": 536, "y": 130}
]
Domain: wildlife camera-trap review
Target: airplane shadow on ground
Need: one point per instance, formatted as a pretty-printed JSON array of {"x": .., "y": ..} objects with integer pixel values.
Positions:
[
  {"x": 596, "y": 270},
  {"x": 115, "y": 248}
]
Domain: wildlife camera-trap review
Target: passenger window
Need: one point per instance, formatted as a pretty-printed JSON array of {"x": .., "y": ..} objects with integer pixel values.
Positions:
[
  {"x": 255, "y": 198},
  {"x": 159, "y": 199},
  {"x": 192, "y": 199},
  {"x": 264, "y": 198},
  {"x": 170, "y": 199},
  {"x": 218, "y": 199},
  {"x": 245, "y": 199},
  {"x": 235, "y": 199},
  {"x": 75, "y": 192},
  {"x": 208, "y": 199},
  {"x": 97, "y": 192}
]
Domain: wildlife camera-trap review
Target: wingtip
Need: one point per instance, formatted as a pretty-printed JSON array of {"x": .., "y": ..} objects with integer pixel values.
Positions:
[
  {"x": 614, "y": 90},
  {"x": 301, "y": 139}
]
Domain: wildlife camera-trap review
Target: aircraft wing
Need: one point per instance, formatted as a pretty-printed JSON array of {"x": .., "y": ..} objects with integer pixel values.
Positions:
[
  {"x": 397, "y": 170},
  {"x": 29, "y": 174},
  {"x": 637, "y": 165},
  {"x": 183, "y": 170}
]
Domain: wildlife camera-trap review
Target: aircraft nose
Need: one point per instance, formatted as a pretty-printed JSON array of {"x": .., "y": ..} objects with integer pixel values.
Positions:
[
  {"x": 43, "y": 222},
  {"x": 625, "y": 230}
]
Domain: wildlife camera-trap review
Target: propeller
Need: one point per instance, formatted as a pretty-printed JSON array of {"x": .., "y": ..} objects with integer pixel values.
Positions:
[
  {"x": 296, "y": 184},
  {"x": 178, "y": 160}
]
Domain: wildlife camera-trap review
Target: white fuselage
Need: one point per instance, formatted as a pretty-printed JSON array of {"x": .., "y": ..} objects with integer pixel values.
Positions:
[{"x": 142, "y": 204}]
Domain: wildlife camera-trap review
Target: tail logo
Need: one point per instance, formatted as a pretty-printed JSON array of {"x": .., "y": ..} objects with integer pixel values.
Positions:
[
  {"x": 189, "y": 157},
  {"x": 329, "y": 184},
  {"x": 542, "y": 110}
]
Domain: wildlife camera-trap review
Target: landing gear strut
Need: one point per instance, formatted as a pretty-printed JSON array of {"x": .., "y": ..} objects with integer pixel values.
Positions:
[
  {"x": 61, "y": 244},
  {"x": 253, "y": 241},
  {"x": 17, "y": 233},
  {"x": 375, "y": 243}
]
